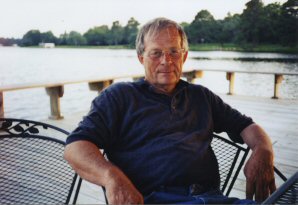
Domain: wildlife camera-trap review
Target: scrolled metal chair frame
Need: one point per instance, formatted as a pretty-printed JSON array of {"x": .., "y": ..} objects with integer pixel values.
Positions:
[{"x": 32, "y": 169}]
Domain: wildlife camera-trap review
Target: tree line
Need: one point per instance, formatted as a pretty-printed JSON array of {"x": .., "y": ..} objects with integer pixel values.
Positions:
[
  {"x": 99, "y": 35},
  {"x": 257, "y": 24}
]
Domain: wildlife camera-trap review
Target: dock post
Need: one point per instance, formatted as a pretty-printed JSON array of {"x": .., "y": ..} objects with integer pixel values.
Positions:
[
  {"x": 277, "y": 81},
  {"x": 99, "y": 86},
  {"x": 1, "y": 105},
  {"x": 190, "y": 76},
  {"x": 55, "y": 94},
  {"x": 231, "y": 77},
  {"x": 199, "y": 74}
]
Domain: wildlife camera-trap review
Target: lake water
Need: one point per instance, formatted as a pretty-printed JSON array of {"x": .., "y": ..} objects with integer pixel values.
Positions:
[{"x": 34, "y": 65}]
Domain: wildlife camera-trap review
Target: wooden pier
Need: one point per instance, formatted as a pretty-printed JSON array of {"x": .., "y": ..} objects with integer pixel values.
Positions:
[{"x": 278, "y": 117}]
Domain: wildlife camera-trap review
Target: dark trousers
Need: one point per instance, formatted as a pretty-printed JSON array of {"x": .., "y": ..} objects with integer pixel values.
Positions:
[{"x": 183, "y": 195}]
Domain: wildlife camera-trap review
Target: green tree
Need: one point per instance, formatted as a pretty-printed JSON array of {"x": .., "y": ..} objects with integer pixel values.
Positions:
[
  {"x": 62, "y": 40},
  {"x": 75, "y": 38},
  {"x": 184, "y": 25},
  {"x": 48, "y": 37},
  {"x": 229, "y": 28},
  {"x": 271, "y": 22},
  {"x": 31, "y": 38},
  {"x": 130, "y": 31},
  {"x": 97, "y": 35},
  {"x": 116, "y": 34},
  {"x": 203, "y": 28},
  {"x": 251, "y": 22},
  {"x": 9, "y": 41},
  {"x": 289, "y": 23}
]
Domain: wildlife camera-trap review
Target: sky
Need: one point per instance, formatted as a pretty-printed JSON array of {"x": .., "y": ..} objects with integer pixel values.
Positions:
[{"x": 59, "y": 16}]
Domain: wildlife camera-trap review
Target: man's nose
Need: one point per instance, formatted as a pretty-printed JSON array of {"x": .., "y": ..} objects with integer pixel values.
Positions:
[{"x": 166, "y": 58}]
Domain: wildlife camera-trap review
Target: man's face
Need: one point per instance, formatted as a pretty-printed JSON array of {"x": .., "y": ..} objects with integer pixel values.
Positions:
[{"x": 163, "y": 59}]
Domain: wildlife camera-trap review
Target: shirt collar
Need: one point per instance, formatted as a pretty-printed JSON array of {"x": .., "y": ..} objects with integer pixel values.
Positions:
[{"x": 179, "y": 87}]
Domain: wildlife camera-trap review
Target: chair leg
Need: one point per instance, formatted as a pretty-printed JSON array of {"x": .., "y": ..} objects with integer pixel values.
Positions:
[
  {"x": 280, "y": 174},
  {"x": 77, "y": 191}
]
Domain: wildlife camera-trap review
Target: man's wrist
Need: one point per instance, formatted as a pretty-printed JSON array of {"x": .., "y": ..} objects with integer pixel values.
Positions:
[
  {"x": 265, "y": 153},
  {"x": 111, "y": 175},
  {"x": 264, "y": 147}
]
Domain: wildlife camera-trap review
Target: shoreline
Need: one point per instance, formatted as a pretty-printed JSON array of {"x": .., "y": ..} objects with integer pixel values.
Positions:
[{"x": 263, "y": 48}]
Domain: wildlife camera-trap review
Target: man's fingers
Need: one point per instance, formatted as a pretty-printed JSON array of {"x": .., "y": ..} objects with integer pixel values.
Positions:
[
  {"x": 250, "y": 189},
  {"x": 261, "y": 191},
  {"x": 272, "y": 186}
]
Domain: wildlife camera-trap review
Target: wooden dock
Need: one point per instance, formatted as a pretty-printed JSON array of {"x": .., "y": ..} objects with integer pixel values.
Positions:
[{"x": 278, "y": 117}]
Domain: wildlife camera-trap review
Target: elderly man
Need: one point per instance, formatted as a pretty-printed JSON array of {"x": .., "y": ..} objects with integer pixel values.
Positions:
[{"x": 157, "y": 133}]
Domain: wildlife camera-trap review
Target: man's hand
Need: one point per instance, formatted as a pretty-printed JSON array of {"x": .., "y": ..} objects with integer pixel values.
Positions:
[
  {"x": 259, "y": 169},
  {"x": 259, "y": 174},
  {"x": 120, "y": 190}
]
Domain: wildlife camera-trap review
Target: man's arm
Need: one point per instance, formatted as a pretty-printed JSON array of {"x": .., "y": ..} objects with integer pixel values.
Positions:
[
  {"x": 258, "y": 170},
  {"x": 89, "y": 163}
]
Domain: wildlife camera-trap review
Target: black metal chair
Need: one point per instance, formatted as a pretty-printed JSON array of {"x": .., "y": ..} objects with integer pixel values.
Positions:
[
  {"x": 287, "y": 193},
  {"x": 32, "y": 167},
  {"x": 230, "y": 157}
]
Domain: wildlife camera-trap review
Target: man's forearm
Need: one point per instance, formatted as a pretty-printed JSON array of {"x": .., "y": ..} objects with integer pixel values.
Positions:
[
  {"x": 258, "y": 169},
  {"x": 88, "y": 162}
]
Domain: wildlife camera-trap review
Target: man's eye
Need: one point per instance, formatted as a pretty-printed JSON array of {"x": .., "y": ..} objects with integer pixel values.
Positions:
[
  {"x": 156, "y": 53},
  {"x": 174, "y": 51}
]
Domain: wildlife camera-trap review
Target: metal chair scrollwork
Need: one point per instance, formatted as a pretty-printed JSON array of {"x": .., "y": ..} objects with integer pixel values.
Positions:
[{"x": 33, "y": 170}]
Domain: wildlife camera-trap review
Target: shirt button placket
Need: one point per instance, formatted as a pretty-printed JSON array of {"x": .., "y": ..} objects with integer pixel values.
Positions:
[
  {"x": 173, "y": 107},
  {"x": 173, "y": 104}
]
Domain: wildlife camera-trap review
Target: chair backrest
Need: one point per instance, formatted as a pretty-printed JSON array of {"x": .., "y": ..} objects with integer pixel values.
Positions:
[
  {"x": 32, "y": 167},
  {"x": 230, "y": 157}
]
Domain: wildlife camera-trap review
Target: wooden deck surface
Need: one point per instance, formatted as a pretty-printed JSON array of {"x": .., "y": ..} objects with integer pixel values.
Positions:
[{"x": 278, "y": 117}]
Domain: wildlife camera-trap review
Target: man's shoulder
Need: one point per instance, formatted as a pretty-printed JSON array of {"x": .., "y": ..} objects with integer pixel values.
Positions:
[
  {"x": 118, "y": 92},
  {"x": 201, "y": 92},
  {"x": 123, "y": 88},
  {"x": 200, "y": 88}
]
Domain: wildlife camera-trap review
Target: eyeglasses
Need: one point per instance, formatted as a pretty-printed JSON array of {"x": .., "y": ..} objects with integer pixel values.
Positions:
[{"x": 174, "y": 53}]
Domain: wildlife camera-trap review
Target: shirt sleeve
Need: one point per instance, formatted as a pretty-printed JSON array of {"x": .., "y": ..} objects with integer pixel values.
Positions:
[
  {"x": 99, "y": 125},
  {"x": 227, "y": 119}
]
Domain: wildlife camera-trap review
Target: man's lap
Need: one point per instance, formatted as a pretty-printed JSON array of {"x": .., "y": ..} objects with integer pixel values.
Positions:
[{"x": 181, "y": 197}]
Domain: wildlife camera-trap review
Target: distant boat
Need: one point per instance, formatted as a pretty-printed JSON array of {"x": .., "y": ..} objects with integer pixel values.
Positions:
[{"x": 47, "y": 45}]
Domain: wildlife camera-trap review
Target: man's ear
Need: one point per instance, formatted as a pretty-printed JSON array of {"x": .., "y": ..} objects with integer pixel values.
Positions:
[
  {"x": 185, "y": 56},
  {"x": 141, "y": 58}
]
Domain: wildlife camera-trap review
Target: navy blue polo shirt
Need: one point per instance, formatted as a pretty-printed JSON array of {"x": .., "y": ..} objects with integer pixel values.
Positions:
[{"x": 160, "y": 140}]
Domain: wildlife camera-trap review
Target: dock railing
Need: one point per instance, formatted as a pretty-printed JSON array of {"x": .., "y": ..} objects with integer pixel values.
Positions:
[{"x": 55, "y": 90}]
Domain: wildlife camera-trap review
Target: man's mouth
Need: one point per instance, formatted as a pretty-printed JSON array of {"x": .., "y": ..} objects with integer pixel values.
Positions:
[{"x": 165, "y": 71}]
